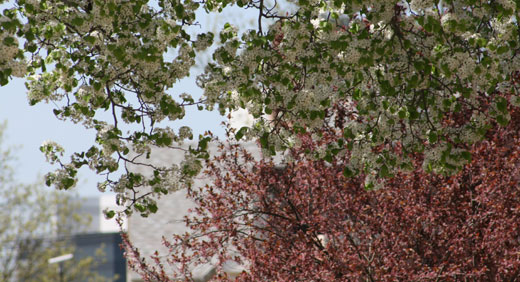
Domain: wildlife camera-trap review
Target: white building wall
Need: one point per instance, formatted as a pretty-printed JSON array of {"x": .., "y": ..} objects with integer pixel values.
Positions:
[
  {"x": 147, "y": 233},
  {"x": 94, "y": 207}
]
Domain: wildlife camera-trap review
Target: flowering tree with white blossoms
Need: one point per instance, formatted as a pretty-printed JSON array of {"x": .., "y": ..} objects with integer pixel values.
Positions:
[{"x": 426, "y": 76}]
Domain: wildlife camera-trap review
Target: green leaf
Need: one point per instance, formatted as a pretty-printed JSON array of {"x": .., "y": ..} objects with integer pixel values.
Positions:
[
  {"x": 432, "y": 137},
  {"x": 502, "y": 120},
  {"x": 348, "y": 134},
  {"x": 32, "y": 48},
  {"x": 90, "y": 39},
  {"x": 502, "y": 49},
  {"x": 501, "y": 103},
  {"x": 203, "y": 142},
  {"x": 264, "y": 140},
  {"x": 9, "y": 41},
  {"x": 347, "y": 172},
  {"x": 241, "y": 133},
  {"x": 67, "y": 182},
  {"x": 152, "y": 208},
  {"x": 139, "y": 207},
  {"x": 466, "y": 155},
  {"x": 179, "y": 10},
  {"x": 402, "y": 114},
  {"x": 384, "y": 172},
  {"x": 110, "y": 214},
  {"x": 77, "y": 21}
]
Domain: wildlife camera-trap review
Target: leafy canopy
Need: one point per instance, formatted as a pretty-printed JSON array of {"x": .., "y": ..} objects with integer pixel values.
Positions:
[{"x": 427, "y": 76}]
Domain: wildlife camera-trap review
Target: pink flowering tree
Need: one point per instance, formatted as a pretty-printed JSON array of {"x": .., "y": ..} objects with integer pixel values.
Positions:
[{"x": 307, "y": 219}]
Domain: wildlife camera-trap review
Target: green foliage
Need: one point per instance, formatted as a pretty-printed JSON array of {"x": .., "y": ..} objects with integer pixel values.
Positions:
[{"x": 425, "y": 76}]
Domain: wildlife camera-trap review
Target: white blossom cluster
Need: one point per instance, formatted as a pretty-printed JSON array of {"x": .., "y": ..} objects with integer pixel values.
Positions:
[
  {"x": 185, "y": 133},
  {"x": 107, "y": 137},
  {"x": 400, "y": 72},
  {"x": 52, "y": 151},
  {"x": 61, "y": 178},
  {"x": 10, "y": 50},
  {"x": 190, "y": 165}
]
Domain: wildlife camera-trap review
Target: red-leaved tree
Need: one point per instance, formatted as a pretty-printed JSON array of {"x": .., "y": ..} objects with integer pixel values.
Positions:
[{"x": 304, "y": 220}]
